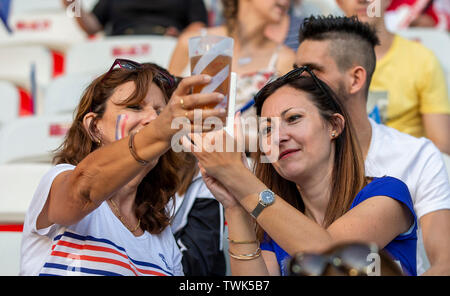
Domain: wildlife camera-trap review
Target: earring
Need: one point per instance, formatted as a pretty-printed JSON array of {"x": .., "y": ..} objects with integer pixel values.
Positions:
[{"x": 333, "y": 134}]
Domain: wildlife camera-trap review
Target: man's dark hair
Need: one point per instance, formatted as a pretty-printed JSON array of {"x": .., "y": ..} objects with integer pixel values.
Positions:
[{"x": 352, "y": 42}]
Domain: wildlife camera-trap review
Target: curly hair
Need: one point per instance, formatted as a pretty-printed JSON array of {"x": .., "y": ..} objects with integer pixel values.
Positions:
[{"x": 160, "y": 184}]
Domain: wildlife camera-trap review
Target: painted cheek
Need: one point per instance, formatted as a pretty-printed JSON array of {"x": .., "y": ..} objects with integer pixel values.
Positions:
[{"x": 121, "y": 122}]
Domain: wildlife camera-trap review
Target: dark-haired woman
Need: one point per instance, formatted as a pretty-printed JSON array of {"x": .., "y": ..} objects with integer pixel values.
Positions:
[
  {"x": 102, "y": 209},
  {"x": 314, "y": 194}
]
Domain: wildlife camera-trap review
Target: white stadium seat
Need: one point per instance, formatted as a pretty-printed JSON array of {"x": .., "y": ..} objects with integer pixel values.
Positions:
[
  {"x": 55, "y": 30},
  {"x": 64, "y": 93},
  {"x": 19, "y": 181},
  {"x": 18, "y": 63},
  {"x": 9, "y": 100},
  {"x": 98, "y": 55},
  {"x": 32, "y": 139}
]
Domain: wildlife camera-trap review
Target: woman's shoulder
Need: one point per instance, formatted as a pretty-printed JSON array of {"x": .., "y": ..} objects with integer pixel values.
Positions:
[
  {"x": 385, "y": 186},
  {"x": 387, "y": 182}
]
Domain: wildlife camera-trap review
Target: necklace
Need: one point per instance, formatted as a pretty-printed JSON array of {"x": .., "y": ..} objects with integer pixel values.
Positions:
[
  {"x": 116, "y": 209},
  {"x": 244, "y": 60}
]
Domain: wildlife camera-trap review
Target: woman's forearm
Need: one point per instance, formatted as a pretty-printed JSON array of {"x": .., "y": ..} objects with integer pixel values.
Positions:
[
  {"x": 290, "y": 228},
  {"x": 112, "y": 166},
  {"x": 241, "y": 228}
]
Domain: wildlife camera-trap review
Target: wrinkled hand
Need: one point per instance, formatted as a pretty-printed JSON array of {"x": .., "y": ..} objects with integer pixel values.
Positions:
[
  {"x": 214, "y": 165},
  {"x": 217, "y": 152},
  {"x": 182, "y": 105}
]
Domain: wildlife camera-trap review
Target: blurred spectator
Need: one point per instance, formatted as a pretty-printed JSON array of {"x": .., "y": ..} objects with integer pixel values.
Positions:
[
  {"x": 256, "y": 58},
  {"x": 141, "y": 17},
  {"x": 286, "y": 31},
  {"x": 409, "y": 96},
  {"x": 418, "y": 13}
]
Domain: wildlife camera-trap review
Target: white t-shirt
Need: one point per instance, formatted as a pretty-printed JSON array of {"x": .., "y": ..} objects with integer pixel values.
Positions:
[
  {"x": 99, "y": 244},
  {"x": 418, "y": 163}
]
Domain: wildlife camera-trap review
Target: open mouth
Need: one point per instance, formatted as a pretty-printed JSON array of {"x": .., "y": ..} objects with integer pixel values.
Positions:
[{"x": 287, "y": 153}]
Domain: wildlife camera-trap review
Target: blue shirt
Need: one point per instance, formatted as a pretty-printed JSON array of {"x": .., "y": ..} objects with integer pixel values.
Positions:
[{"x": 402, "y": 248}]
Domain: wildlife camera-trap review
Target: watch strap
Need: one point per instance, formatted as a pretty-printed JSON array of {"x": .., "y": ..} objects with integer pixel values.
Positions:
[{"x": 255, "y": 213}]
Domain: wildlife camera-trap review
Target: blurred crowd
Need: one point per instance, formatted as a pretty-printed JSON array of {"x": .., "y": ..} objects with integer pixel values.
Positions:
[{"x": 361, "y": 88}]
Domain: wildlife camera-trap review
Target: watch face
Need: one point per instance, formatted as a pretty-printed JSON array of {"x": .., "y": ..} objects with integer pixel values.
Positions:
[{"x": 267, "y": 197}]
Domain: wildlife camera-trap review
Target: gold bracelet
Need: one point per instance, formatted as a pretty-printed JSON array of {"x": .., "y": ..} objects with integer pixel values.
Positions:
[
  {"x": 242, "y": 242},
  {"x": 252, "y": 256},
  {"x": 143, "y": 162}
]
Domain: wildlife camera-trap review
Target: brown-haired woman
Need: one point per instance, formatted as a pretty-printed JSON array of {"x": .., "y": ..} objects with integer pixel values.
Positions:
[
  {"x": 102, "y": 208},
  {"x": 314, "y": 194}
]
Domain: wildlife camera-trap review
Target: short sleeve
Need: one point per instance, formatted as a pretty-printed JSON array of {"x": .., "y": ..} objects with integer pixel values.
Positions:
[
  {"x": 387, "y": 186},
  {"x": 432, "y": 186},
  {"x": 432, "y": 88},
  {"x": 40, "y": 198}
]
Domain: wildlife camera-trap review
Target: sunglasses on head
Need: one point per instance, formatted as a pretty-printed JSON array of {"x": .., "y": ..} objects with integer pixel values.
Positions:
[
  {"x": 164, "y": 78},
  {"x": 161, "y": 75},
  {"x": 348, "y": 259},
  {"x": 297, "y": 73},
  {"x": 123, "y": 64}
]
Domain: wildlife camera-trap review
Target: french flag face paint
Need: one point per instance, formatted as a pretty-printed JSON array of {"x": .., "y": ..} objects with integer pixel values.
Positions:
[{"x": 120, "y": 126}]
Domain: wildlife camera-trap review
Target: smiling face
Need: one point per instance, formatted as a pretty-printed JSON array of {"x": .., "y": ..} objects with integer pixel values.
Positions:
[
  {"x": 134, "y": 117},
  {"x": 304, "y": 140}
]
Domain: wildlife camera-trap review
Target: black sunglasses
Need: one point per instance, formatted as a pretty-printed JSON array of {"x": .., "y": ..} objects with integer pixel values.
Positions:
[
  {"x": 123, "y": 64},
  {"x": 350, "y": 259},
  {"x": 297, "y": 73},
  {"x": 162, "y": 77},
  {"x": 161, "y": 74}
]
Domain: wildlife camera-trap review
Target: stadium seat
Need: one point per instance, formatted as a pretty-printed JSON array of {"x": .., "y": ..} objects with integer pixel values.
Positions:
[
  {"x": 32, "y": 139},
  {"x": 64, "y": 93},
  {"x": 98, "y": 55},
  {"x": 19, "y": 181},
  {"x": 18, "y": 66},
  {"x": 9, "y": 99},
  {"x": 55, "y": 30},
  {"x": 10, "y": 252}
]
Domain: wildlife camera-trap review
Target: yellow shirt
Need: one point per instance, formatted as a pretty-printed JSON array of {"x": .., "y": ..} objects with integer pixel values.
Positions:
[{"x": 408, "y": 82}]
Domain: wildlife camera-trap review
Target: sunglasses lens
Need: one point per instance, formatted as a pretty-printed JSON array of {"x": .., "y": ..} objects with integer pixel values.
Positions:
[
  {"x": 308, "y": 265},
  {"x": 355, "y": 256},
  {"x": 128, "y": 66}
]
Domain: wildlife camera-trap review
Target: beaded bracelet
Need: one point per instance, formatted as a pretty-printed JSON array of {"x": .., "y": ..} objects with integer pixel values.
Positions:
[{"x": 252, "y": 256}]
